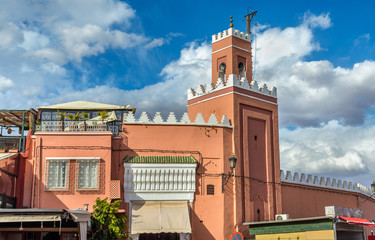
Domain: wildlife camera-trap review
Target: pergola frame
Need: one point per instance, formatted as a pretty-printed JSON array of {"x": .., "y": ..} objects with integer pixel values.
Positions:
[{"x": 18, "y": 118}]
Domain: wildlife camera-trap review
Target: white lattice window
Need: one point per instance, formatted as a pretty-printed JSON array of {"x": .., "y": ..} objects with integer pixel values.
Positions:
[
  {"x": 88, "y": 174},
  {"x": 57, "y": 174}
]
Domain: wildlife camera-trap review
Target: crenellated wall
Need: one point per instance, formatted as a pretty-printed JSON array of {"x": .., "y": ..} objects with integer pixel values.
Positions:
[
  {"x": 232, "y": 81},
  {"x": 316, "y": 181},
  {"x": 230, "y": 32},
  {"x": 145, "y": 118}
]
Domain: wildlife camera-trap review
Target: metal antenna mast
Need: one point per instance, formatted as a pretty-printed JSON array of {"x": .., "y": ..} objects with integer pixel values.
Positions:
[{"x": 248, "y": 17}]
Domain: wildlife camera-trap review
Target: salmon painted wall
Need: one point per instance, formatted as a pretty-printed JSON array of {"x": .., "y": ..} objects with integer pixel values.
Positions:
[
  {"x": 301, "y": 201},
  {"x": 7, "y": 181},
  {"x": 253, "y": 115},
  {"x": 67, "y": 145},
  {"x": 231, "y": 56},
  {"x": 211, "y": 146}
]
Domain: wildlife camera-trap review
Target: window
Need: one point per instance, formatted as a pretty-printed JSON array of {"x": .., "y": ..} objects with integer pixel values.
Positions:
[
  {"x": 210, "y": 189},
  {"x": 57, "y": 174},
  {"x": 87, "y": 174}
]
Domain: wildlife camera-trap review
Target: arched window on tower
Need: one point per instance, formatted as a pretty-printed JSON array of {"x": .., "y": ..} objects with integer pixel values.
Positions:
[
  {"x": 222, "y": 68},
  {"x": 242, "y": 70}
]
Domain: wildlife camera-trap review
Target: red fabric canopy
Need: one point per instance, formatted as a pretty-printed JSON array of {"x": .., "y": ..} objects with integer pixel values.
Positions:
[{"x": 359, "y": 221}]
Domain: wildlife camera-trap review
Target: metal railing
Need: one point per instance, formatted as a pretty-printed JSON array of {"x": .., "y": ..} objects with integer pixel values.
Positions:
[
  {"x": 71, "y": 126},
  {"x": 12, "y": 143}
]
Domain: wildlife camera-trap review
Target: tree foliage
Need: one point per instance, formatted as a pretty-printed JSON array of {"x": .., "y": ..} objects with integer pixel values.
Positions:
[{"x": 106, "y": 224}]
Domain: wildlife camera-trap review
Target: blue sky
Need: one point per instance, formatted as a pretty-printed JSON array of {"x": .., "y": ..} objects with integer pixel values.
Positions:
[{"x": 319, "y": 54}]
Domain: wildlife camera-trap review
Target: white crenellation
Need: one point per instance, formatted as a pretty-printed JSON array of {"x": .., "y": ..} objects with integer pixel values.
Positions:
[
  {"x": 185, "y": 118},
  {"x": 254, "y": 86},
  {"x": 145, "y": 118},
  {"x": 210, "y": 87},
  {"x": 200, "y": 90},
  {"x": 191, "y": 93},
  {"x": 158, "y": 118},
  {"x": 213, "y": 120},
  {"x": 324, "y": 183},
  {"x": 199, "y": 119},
  {"x": 172, "y": 118},
  {"x": 231, "y": 32},
  {"x": 245, "y": 83},
  {"x": 232, "y": 81},
  {"x": 220, "y": 84},
  {"x": 130, "y": 117},
  {"x": 225, "y": 121}
]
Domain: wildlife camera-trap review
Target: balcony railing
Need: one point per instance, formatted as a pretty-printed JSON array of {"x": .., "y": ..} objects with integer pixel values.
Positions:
[
  {"x": 70, "y": 126},
  {"x": 12, "y": 144}
]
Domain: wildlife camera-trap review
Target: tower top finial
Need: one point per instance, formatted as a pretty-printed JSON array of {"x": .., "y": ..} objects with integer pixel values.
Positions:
[{"x": 231, "y": 22}]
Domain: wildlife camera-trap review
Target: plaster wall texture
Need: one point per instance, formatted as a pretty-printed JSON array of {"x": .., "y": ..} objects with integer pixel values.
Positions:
[
  {"x": 257, "y": 185},
  {"x": 71, "y": 147},
  {"x": 230, "y": 50},
  {"x": 300, "y": 201},
  {"x": 211, "y": 146}
]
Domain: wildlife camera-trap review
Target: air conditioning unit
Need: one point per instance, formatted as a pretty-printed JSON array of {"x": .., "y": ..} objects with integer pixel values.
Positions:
[{"x": 280, "y": 217}]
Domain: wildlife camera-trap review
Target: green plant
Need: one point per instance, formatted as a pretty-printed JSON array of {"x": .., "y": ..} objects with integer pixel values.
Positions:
[
  {"x": 105, "y": 222},
  {"x": 84, "y": 117},
  {"x": 103, "y": 115},
  {"x": 60, "y": 115},
  {"x": 73, "y": 117}
]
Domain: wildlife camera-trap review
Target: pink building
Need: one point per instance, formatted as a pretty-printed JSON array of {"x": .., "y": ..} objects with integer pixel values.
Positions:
[{"x": 174, "y": 174}]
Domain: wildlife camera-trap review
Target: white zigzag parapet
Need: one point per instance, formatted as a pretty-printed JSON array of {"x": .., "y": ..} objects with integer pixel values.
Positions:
[
  {"x": 323, "y": 182},
  {"x": 231, "y": 32},
  {"x": 145, "y": 118},
  {"x": 232, "y": 81}
]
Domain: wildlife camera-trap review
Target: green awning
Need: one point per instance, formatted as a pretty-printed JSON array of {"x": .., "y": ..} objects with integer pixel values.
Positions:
[{"x": 161, "y": 159}]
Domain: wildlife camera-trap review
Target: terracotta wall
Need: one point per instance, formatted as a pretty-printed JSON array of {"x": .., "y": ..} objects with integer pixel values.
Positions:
[
  {"x": 68, "y": 146},
  {"x": 300, "y": 201},
  {"x": 211, "y": 146}
]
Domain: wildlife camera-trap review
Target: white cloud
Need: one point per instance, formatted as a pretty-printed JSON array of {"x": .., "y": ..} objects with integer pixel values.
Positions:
[
  {"x": 322, "y": 21},
  {"x": 5, "y": 83},
  {"x": 157, "y": 42},
  {"x": 9, "y": 34},
  {"x": 91, "y": 39},
  {"x": 316, "y": 91},
  {"x": 331, "y": 149},
  {"x": 34, "y": 41},
  {"x": 191, "y": 69}
]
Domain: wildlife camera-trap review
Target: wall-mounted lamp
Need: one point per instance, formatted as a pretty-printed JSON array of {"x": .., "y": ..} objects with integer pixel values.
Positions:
[
  {"x": 86, "y": 206},
  {"x": 225, "y": 177}
]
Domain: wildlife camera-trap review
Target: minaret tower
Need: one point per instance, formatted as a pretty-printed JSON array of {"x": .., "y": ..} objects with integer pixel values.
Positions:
[
  {"x": 252, "y": 109},
  {"x": 231, "y": 54}
]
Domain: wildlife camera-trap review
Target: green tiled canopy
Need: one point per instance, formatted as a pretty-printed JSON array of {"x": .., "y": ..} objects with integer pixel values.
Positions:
[{"x": 160, "y": 159}]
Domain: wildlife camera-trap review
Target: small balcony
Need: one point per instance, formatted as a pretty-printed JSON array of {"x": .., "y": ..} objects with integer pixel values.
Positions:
[{"x": 82, "y": 126}]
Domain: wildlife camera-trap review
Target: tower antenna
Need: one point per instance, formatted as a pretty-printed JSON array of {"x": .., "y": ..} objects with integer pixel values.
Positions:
[
  {"x": 248, "y": 17},
  {"x": 255, "y": 48}
]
